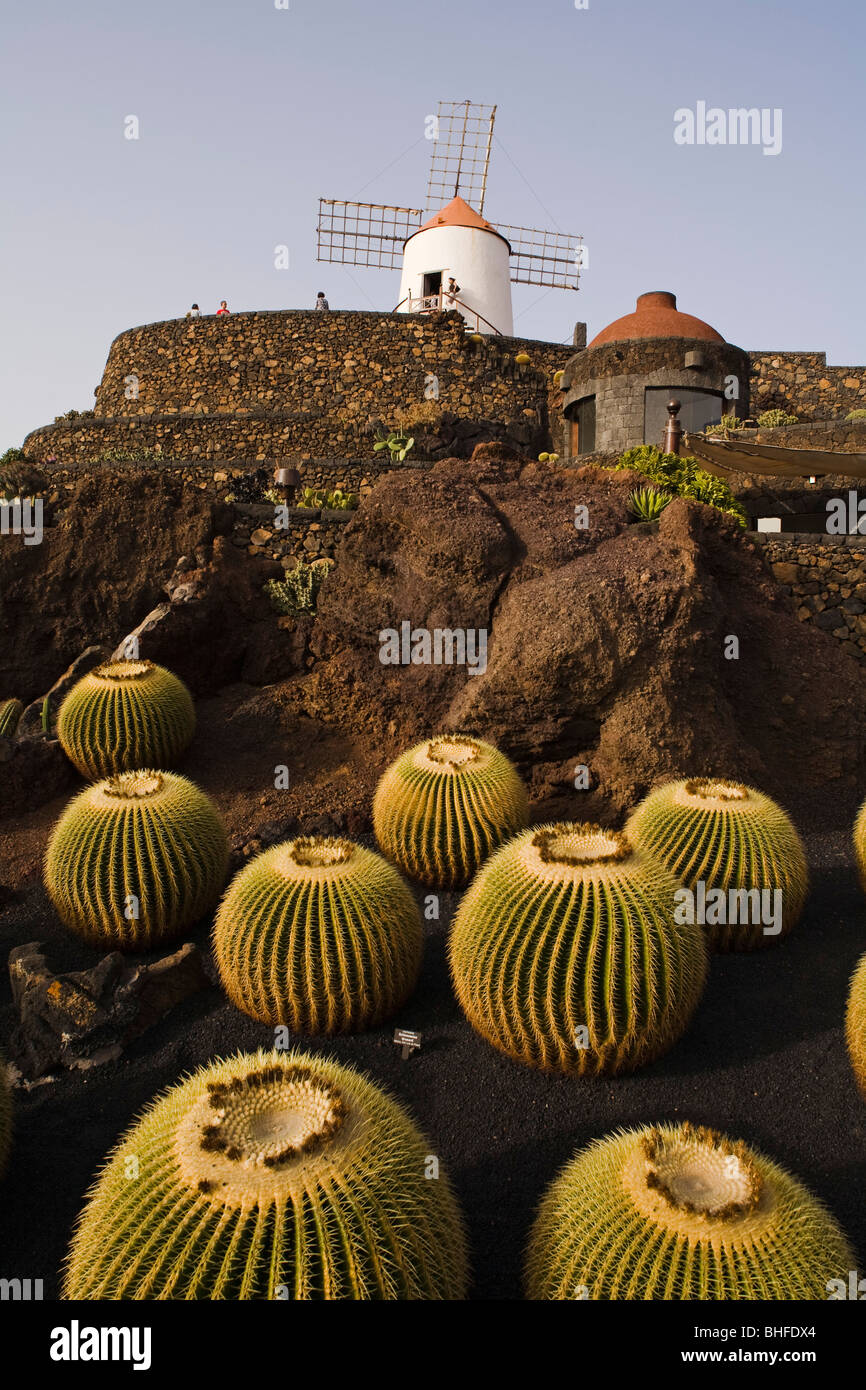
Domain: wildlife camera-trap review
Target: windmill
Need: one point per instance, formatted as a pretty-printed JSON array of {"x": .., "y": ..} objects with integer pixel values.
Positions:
[{"x": 450, "y": 242}]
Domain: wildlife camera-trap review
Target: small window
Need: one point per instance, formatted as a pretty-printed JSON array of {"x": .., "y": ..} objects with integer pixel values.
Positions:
[{"x": 582, "y": 420}]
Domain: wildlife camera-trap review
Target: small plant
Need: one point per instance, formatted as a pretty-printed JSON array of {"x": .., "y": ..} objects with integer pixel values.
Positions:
[
  {"x": 444, "y": 805},
  {"x": 135, "y": 859},
  {"x": 320, "y": 934},
  {"x": 125, "y": 715},
  {"x": 272, "y": 1175},
  {"x": 335, "y": 501},
  {"x": 725, "y": 426},
  {"x": 852, "y": 415},
  {"x": 676, "y": 1212},
  {"x": 566, "y": 954},
  {"x": 299, "y": 591},
  {"x": 12, "y": 456},
  {"x": 548, "y": 458},
  {"x": 19, "y": 478},
  {"x": 523, "y": 359},
  {"x": 648, "y": 503},
  {"x": 46, "y": 714},
  {"x": 5, "y": 1114},
  {"x": 143, "y": 454},
  {"x": 396, "y": 442},
  {"x": 773, "y": 419}
]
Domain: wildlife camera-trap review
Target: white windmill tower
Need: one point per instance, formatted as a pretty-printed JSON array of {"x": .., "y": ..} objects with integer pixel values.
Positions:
[{"x": 455, "y": 243}]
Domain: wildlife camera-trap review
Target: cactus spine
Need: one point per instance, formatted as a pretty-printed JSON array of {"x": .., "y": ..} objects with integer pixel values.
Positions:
[
  {"x": 10, "y": 712},
  {"x": 731, "y": 838},
  {"x": 125, "y": 715},
  {"x": 855, "y": 1024},
  {"x": 678, "y": 1212},
  {"x": 135, "y": 859},
  {"x": 320, "y": 934},
  {"x": 566, "y": 955},
  {"x": 275, "y": 1175},
  {"x": 445, "y": 805}
]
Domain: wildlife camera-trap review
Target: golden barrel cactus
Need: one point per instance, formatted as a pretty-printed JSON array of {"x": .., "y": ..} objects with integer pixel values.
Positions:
[
  {"x": 5, "y": 1114},
  {"x": 680, "y": 1212},
  {"x": 125, "y": 715},
  {"x": 135, "y": 859},
  {"x": 275, "y": 1175},
  {"x": 566, "y": 955},
  {"x": 741, "y": 846},
  {"x": 10, "y": 713},
  {"x": 445, "y": 805},
  {"x": 855, "y": 1024},
  {"x": 860, "y": 844},
  {"x": 320, "y": 934}
]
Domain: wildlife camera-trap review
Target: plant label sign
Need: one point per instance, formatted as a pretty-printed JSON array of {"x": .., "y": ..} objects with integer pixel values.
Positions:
[{"x": 407, "y": 1040}]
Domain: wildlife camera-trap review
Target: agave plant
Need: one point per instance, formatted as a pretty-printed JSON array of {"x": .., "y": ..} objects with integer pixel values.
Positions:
[{"x": 648, "y": 503}]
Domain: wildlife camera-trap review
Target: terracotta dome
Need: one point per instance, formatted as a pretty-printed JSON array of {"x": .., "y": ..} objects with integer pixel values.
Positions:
[
  {"x": 656, "y": 316},
  {"x": 458, "y": 213}
]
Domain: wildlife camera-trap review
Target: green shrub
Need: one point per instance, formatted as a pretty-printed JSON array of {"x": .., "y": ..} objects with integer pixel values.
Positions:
[
  {"x": 852, "y": 415},
  {"x": 682, "y": 476},
  {"x": 396, "y": 442},
  {"x": 19, "y": 456},
  {"x": 772, "y": 419},
  {"x": 298, "y": 592}
]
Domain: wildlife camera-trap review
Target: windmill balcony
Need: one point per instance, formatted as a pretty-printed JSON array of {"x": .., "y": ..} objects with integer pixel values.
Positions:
[{"x": 440, "y": 303}]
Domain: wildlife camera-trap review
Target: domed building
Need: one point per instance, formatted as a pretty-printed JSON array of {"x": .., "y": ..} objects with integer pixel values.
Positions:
[{"x": 616, "y": 390}]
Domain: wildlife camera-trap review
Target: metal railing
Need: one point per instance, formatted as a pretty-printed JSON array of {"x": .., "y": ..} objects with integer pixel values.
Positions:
[{"x": 440, "y": 303}]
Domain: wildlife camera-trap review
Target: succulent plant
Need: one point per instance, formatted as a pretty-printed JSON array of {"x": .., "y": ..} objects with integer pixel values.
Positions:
[
  {"x": 566, "y": 955},
  {"x": 125, "y": 715},
  {"x": 773, "y": 419},
  {"x": 5, "y": 1115},
  {"x": 10, "y": 712},
  {"x": 298, "y": 592},
  {"x": 680, "y": 1212},
  {"x": 320, "y": 934},
  {"x": 445, "y": 805},
  {"x": 136, "y": 859},
  {"x": 274, "y": 1175},
  {"x": 648, "y": 503},
  {"x": 855, "y": 1023},
  {"x": 730, "y": 838}
]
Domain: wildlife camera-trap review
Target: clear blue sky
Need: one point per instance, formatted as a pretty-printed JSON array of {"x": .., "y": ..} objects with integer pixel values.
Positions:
[{"x": 249, "y": 113}]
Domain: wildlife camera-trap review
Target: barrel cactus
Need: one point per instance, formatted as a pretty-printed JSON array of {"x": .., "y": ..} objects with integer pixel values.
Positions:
[
  {"x": 320, "y": 934},
  {"x": 10, "y": 712},
  {"x": 736, "y": 841},
  {"x": 680, "y": 1212},
  {"x": 855, "y": 1024},
  {"x": 566, "y": 955},
  {"x": 445, "y": 805},
  {"x": 125, "y": 715},
  {"x": 860, "y": 844},
  {"x": 135, "y": 859},
  {"x": 274, "y": 1175}
]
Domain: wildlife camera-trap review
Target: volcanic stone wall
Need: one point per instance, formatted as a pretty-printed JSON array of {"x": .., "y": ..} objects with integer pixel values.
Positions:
[
  {"x": 825, "y": 577},
  {"x": 803, "y": 384},
  {"x": 301, "y": 384}
]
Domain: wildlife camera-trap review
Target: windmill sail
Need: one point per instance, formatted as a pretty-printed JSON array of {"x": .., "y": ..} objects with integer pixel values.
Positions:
[
  {"x": 543, "y": 258},
  {"x": 368, "y": 234},
  {"x": 461, "y": 154}
]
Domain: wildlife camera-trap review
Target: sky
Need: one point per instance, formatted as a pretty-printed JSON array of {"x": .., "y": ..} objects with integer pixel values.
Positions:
[{"x": 248, "y": 114}]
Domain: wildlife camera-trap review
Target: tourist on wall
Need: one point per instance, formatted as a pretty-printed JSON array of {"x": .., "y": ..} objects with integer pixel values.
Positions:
[
  {"x": 321, "y": 301},
  {"x": 223, "y": 308},
  {"x": 194, "y": 312},
  {"x": 453, "y": 289}
]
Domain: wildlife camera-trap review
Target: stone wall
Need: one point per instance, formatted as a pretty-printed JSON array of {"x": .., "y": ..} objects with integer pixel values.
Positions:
[
  {"x": 301, "y": 384},
  {"x": 802, "y": 384},
  {"x": 825, "y": 577}
]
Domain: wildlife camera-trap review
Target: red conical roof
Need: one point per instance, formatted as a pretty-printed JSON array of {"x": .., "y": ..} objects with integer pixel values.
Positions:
[
  {"x": 458, "y": 213},
  {"x": 656, "y": 316}
]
